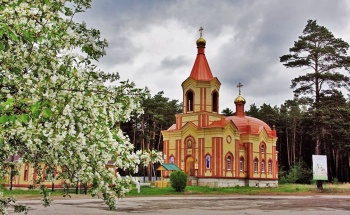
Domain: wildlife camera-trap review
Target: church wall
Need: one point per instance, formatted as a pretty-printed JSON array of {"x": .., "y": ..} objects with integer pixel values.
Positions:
[
  {"x": 218, "y": 156},
  {"x": 201, "y": 157},
  {"x": 211, "y": 142},
  {"x": 232, "y": 182},
  {"x": 217, "y": 143}
]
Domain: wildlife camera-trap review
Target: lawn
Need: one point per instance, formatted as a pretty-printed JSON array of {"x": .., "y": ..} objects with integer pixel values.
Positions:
[{"x": 282, "y": 189}]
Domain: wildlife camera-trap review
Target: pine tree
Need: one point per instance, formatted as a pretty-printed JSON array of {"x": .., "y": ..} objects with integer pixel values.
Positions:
[{"x": 323, "y": 55}]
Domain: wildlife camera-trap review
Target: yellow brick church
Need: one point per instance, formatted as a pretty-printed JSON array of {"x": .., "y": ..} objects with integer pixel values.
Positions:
[{"x": 215, "y": 150}]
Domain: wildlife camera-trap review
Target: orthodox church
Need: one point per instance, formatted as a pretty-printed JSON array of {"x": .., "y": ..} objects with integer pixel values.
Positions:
[{"x": 213, "y": 149}]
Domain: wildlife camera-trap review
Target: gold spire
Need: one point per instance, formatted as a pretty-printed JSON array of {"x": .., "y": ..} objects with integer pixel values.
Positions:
[{"x": 201, "y": 42}]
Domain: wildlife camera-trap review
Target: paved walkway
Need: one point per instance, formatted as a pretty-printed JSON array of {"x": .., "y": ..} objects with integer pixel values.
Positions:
[{"x": 200, "y": 205}]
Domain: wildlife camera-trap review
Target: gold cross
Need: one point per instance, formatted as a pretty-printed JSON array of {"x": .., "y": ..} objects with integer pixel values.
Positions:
[
  {"x": 239, "y": 87},
  {"x": 201, "y": 29}
]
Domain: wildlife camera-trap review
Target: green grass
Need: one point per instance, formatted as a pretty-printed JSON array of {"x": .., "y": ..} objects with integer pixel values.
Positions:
[
  {"x": 196, "y": 190},
  {"x": 282, "y": 189}
]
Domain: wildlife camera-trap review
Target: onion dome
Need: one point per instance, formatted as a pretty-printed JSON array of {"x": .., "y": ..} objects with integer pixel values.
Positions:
[
  {"x": 239, "y": 100},
  {"x": 201, "y": 42}
]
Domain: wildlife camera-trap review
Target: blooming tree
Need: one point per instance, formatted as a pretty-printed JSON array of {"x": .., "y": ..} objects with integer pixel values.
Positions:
[{"x": 55, "y": 106}]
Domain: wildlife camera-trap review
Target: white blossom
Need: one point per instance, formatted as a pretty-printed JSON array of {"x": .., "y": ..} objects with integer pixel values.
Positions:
[{"x": 62, "y": 114}]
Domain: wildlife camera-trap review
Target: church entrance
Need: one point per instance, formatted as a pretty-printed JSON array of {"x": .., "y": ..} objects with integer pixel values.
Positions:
[{"x": 189, "y": 169}]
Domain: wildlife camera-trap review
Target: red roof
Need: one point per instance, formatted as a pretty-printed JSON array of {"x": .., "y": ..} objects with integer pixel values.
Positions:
[
  {"x": 219, "y": 123},
  {"x": 201, "y": 70},
  {"x": 172, "y": 127},
  {"x": 249, "y": 124}
]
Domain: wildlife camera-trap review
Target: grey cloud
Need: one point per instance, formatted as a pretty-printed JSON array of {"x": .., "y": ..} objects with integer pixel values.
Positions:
[
  {"x": 171, "y": 63},
  {"x": 263, "y": 31},
  {"x": 121, "y": 50}
]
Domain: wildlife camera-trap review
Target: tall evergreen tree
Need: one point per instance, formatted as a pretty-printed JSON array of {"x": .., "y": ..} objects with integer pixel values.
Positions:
[{"x": 323, "y": 55}]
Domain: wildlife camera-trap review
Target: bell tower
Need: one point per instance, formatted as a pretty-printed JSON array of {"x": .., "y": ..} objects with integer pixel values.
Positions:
[{"x": 201, "y": 90}]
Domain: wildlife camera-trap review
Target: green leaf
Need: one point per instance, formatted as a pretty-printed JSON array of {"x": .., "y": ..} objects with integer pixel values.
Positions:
[
  {"x": 47, "y": 112},
  {"x": 24, "y": 118},
  {"x": 12, "y": 118},
  {"x": 4, "y": 119},
  {"x": 9, "y": 102},
  {"x": 26, "y": 100},
  {"x": 35, "y": 107}
]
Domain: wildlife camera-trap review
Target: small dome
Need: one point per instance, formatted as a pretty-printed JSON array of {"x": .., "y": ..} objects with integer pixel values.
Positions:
[
  {"x": 239, "y": 99},
  {"x": 201, "y": 42}
]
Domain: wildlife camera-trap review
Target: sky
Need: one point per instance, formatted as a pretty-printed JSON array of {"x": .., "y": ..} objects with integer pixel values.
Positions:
[{"x": 153, "y": 42}]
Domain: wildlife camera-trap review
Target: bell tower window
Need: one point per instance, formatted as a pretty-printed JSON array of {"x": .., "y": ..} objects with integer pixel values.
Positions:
[
  {"x": 189, "y": 102},
  {"x": 215, "y": 102}
]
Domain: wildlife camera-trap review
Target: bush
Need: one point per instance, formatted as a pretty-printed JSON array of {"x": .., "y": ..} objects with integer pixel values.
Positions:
[
  {"x": 178, "y": 180},
  {"x": 298, "y": 173}
]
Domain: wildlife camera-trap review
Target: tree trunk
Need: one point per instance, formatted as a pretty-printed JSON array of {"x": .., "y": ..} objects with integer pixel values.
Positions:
[
  {"x": 288, "y": 149},
  {"x": 160, "y": 137},
  {"x": 135, "y": 130},
  {"x": 293, "y": 140}
]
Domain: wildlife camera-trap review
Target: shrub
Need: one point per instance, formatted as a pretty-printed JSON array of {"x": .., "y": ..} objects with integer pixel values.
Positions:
[
  {"x": 178, "y": 180},
  {"x": 298, "y": 173}
]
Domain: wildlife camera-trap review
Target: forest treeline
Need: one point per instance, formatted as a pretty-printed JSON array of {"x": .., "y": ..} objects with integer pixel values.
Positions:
[{"x": 295, "y": 126}]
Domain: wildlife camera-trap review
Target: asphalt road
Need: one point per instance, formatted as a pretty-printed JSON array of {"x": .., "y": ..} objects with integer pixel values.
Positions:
[{"x": 200, "y": 205}]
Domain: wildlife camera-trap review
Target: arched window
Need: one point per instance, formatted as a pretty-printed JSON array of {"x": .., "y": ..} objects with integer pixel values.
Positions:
[
  {"x": 256, "y": 165},
  {"x": 241, "y": 164},
  {"x": 270, "y": 166},
  {"x": 207, "y": 161},
  {"x": 262, "y": 166},
  {"x": 172, "y": 159},
  {"x": 262, "y": 148},
  {"x": 215, "y": 102},
  {"x": 189, "y": 101},
  {"x": 229, "y": 162}
]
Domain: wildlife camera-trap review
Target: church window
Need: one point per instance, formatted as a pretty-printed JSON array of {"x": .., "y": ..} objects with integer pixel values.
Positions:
[
  {"x": 189, "y": 102},
  {"x": 172, "y": 159},
  {"x": 241, "y": 164},
  {"x": 262, "y": 166},
  {"x": 207, "y": 161},
  {"x": 215, "y": 102},
  {"x": 229, "y": 159},
  {"x": 256, "y": 165},
  {"x": 270, "y": 166},
  {"x": 262, "y": 148},
  {"x": 26, "y": 172}
]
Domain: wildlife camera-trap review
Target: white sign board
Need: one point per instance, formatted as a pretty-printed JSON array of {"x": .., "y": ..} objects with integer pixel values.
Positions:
[{"x": 319, "y": 166}]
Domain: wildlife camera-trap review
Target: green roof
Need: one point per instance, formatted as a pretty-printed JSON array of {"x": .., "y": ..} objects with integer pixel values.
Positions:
[{"x": 170, "y": 166}]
